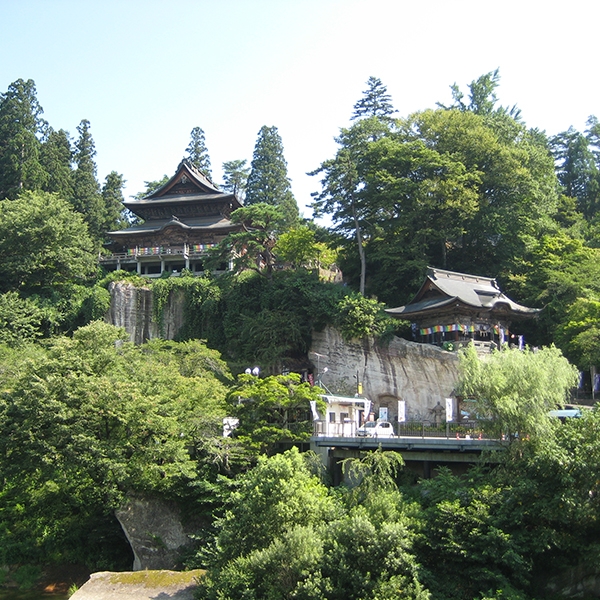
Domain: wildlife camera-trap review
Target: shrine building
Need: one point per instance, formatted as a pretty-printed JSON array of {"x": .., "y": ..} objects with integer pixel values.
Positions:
[
  {"x": 454, "y": 309},
  {"x": 182, "y": 220}
]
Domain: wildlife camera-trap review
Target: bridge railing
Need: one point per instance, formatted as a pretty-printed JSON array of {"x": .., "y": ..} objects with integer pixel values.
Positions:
[{"x": 422, "y": 429}]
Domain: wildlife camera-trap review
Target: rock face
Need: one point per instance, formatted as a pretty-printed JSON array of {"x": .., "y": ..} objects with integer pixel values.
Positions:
[
  {"x": 131, "y": 307},
  {"x": 148, "y": 585},
  {"x": 155, "y": 532},
  {"x": 420, "y": 374}
]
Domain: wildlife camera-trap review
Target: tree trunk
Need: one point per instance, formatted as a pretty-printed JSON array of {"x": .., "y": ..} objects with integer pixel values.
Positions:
[{"x": 361, "y": 250}]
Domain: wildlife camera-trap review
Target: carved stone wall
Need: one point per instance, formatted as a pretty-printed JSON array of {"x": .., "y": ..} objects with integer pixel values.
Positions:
[{"x": 420, "y": 374}]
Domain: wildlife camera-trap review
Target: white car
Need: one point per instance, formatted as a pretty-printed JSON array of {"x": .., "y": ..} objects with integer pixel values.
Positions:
[{"x": 378, "y": 429}]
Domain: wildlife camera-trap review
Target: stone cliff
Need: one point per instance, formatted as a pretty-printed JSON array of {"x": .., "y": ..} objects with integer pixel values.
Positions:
[
  {"x": 131, "y": 307},
  {"x": 419, "y": 374}
]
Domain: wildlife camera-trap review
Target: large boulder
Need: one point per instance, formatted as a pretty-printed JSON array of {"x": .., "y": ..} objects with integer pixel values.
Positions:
[{"x": 156, "y": 532}]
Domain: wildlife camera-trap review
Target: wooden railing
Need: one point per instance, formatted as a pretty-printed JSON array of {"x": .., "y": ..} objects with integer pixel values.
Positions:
[{"x": 185, "y": 250}]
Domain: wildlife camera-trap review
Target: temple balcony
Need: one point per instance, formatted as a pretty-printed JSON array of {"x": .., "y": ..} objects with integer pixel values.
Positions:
[{"x": 154, "y": 261}]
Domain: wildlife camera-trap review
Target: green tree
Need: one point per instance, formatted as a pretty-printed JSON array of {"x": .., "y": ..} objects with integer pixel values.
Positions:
[
  {"x": 197, "y": 153},
  {"x": 253, "y": 247},
  {"x": 112, "y": 197},
  {"x": 278, "y": 495},
  {"x": 151, "y": 187},
  {"x": 43, "y": 244},
  {"x": 90, "y": 419},
  {"x": 560, "y": 269},
  {"x": 87, "y": 199},
  {"x": 577, "y": 170},
  {"x": 272, "y": 410},
  {"x": 482, "y": 97},
  {"x": 235, "y": 177},
  {"x": 514, "y": 389},
  {"x": 376, "y": 102},
  {"x": 20, "y": 319},
  {"x": 56, "y": 157},
  {"x": 579, "y": 333},
  {"x": 343, "y": 188},
  {"x": 268, "y": 182},
  {"x": 299, "y": 247},
  {"x": 21, "y": 127}
]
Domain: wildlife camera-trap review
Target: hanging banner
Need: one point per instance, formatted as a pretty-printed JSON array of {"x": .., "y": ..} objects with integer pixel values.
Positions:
[
  {"x": 401, "y": 411},
  {"x": 449, "y": 410}
]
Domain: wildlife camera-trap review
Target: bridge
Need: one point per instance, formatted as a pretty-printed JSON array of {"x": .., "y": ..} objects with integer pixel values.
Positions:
[{"x": 422, "y": 455}]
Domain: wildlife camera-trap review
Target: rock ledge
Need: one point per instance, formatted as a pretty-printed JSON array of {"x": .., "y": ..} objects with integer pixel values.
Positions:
[{"x": 140, "y": 585}]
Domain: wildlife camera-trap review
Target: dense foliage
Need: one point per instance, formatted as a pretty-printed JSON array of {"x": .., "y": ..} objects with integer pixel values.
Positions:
[
  {"x": 86, "y": 418},
  {"x": 254, "y": 320}
]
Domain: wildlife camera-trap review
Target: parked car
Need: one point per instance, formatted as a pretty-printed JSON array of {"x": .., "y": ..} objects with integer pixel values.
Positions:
[
  {"x": 378, "y": 429},
  {"x": 568, "y": 412}
]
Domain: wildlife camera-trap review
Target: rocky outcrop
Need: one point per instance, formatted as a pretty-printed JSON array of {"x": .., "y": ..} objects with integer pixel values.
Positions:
[
  {"x": 155, "y": 531},
  {"x": 146, "y": 585},
  {"x": 131, "y": 307},
  {"x": 420, "y": 374}
]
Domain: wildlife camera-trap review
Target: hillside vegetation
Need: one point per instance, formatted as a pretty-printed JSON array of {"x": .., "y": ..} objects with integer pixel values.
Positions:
[{"x": 86, "y": 418}]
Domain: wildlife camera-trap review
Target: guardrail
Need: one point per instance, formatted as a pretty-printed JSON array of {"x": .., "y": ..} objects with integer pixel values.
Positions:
[{"x": 418, "y": 429}]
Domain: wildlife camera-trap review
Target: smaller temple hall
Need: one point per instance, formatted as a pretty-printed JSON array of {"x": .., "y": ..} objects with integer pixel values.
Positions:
[
  {"x": 452, "y": 309},
  {"x": 181, "y": 221}
]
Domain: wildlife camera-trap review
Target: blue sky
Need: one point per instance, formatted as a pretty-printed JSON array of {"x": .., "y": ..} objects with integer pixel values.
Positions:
[{"x": 145, "y": 72}]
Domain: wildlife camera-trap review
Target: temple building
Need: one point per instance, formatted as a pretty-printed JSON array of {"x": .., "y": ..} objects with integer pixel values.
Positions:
[
  {"x": 453, "y": 309},
  {"x": 181, "y": 221}
]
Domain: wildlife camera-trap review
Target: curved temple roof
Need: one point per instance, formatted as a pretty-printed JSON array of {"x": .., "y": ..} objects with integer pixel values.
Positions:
[{"x": 442, "y": 289}]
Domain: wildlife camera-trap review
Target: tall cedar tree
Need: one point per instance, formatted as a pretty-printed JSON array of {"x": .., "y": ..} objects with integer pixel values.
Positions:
[
  {"x": 198, "y": 153},
  {"x": 112, "y": 196},
  {"x": 20, "y": 127},
  {"x": 235, "y": 177},
  {"x": 87, "y": 199},
  {"x": 268, "y": 181},
  {"x": 577, "y": 170},
  {"x": 56, "y": 158}
]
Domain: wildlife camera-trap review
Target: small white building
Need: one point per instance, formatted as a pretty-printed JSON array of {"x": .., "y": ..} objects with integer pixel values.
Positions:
[{"x": 343, "y": 416}]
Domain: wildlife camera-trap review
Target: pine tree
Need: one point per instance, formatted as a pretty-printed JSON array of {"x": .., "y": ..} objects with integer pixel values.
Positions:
[
  {"x": 235, "y": 177},
  {"x": 87, "y": 199},
  {"x": 268, "y": 181},
  {"x": 376, "y": 102},
  {"x": 21, "y": 126},
  {"x": 198, "y": 153},
  {"x": 56, "y": 157}
]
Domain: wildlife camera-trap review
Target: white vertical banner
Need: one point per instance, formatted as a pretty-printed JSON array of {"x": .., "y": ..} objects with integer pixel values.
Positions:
[
  {"x": 449, "y": 410},
  {"x": 367, "y": 409},
  {"x": 401, "y": 411}
]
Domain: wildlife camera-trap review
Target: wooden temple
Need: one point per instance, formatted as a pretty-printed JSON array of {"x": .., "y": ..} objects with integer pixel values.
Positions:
[
  {"x": 453, "y": 309},
  {"x": 181, "y": 221}
]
